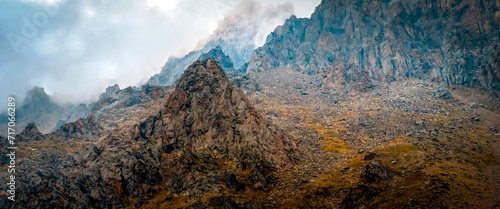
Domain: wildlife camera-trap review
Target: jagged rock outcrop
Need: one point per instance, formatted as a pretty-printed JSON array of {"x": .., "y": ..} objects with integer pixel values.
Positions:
[
  {"x": 348, "y": 42},
  {"x": 112, "y": 89},
  {"x": 442, "y": 93},
  {"x": 30, "y": 133},
  {"x": 77, "y": 112},
  {"x": 209, "y": 126},
  {"x": 152, "y": 92},
  {"x": 225, "y": 61},
  {"x": 375, "y": 172},
  {"x": 175, "y": 67},
  {"x": 114, "y": 98},
  {"x": 114, "y": 169},
  {"x": 372, "y": 176},
  {"x": 82, "y": 129}
]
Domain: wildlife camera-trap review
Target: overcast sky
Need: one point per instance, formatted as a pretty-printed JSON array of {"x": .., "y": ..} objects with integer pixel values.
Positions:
[{"x": 76, "y": 48}]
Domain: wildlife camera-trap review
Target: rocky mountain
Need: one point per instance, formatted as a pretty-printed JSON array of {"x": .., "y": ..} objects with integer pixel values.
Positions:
[
  {"x": 122, "y": 109},
  {"x": 207, "y": 140},
  {"x": 237, "y": 35},
  {"x": 225, "y": 61},
  {"x": 414, "y": 130},
  {"x": 50, "y": 116},
  {"x": 356, "y": 44},
  {"x": 84, "y": 129},
  {"x": 40, "y": 108},
  {"x": 76, "y": 112},
  {"x": 29, "y": 133},
  {"x": 175, "y": 67},
  {"x": 208, "y": 125}
]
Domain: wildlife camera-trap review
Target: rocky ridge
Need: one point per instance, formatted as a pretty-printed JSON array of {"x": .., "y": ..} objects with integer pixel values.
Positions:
[{"x": 357, "y": 44}]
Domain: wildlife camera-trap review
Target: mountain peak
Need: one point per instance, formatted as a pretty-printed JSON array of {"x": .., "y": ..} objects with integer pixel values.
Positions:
[
  {"x": 201, "y": 74},
  {"x": 207, "y": 121},
  {"x": 112, "y": 89},
  {"x": 217, "y": 54},
  {"x": 30, "y": 133},
  {"x": 38, "y": 94}
]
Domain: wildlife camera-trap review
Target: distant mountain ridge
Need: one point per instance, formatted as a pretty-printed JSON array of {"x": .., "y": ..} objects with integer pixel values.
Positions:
[
  {"x": 237, "y": 35},
  {"x": 39, "y": 107}
]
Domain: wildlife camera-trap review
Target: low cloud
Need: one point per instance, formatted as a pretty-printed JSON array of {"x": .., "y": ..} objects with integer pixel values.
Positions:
[
  {"x": 251, "y": 16},
  {"x": 76, "y": 48}
]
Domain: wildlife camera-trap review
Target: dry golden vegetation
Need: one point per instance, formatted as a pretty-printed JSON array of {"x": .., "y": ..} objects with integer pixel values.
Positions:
[{"x": 441, "y": 151}]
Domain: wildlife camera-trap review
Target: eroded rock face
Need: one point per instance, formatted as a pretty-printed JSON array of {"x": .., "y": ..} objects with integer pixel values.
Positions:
[
  {"x": 453, "y": 42},
  {"x": 208, "y": 126}
]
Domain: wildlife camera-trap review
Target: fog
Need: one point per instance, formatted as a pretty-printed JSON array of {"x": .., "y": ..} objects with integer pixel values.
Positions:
[{"x": 75, "y": 49}]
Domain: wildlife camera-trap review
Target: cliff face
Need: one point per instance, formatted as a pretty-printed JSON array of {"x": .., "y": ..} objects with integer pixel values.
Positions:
[{"x": 357, "y": 43}]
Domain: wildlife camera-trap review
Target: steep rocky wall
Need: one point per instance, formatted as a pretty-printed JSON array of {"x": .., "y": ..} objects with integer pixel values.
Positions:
[{"x": 354, "y": 43}]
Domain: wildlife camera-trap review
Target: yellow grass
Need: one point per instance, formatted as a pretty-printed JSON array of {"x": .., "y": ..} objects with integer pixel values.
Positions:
[{"x": 331, "y": 142}]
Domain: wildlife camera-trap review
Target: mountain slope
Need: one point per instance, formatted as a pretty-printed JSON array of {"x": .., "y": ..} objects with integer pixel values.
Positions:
[{"x": 355, "y": 44}]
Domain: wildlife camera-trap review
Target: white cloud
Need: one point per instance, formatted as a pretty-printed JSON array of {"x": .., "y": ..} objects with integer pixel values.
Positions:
[
  {"x": 87, "y": 45},
  {"x": 164, "y": 6}
]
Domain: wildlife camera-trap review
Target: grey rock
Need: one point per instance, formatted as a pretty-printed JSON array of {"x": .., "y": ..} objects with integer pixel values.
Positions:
[
  {"x": 357, "y": 44},
  {"x": 442, "y": 93}
]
